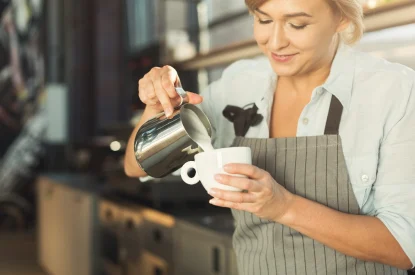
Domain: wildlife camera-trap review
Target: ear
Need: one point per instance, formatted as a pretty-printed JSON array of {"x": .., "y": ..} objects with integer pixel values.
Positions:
[{"x": 344, "y": 23}]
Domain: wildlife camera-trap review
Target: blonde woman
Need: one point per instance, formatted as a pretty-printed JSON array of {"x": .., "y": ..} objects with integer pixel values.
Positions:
[{"x": 331, "y": 188}]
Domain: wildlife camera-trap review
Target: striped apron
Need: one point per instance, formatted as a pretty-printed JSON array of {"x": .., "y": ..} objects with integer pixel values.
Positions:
[{"x": 314, "y": 168}]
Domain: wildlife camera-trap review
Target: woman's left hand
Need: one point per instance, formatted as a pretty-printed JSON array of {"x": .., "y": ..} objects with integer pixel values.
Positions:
[{"x": 263, "y": 197}]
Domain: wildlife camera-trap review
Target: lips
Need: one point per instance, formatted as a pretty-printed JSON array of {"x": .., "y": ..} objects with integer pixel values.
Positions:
[{"x": 283, "y": 58}]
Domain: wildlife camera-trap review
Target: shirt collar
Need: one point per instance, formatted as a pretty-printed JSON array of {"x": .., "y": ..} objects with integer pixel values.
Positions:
[
  {"x": 341, "y": 77},
  {"x": 265, "y": 83}
]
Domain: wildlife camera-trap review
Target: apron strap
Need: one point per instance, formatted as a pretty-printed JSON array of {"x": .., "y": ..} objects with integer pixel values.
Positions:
[{"x": 334, "y": 117}]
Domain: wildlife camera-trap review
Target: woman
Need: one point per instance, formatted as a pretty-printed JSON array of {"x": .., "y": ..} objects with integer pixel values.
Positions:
[{"x": 331, "y": 188}]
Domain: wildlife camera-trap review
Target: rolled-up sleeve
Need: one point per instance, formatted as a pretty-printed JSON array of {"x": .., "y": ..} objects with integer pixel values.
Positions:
[{"x": 394, "y": 189}]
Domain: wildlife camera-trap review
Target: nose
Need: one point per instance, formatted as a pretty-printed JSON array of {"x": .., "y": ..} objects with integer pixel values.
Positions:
[{"x": 278, "y": 39}]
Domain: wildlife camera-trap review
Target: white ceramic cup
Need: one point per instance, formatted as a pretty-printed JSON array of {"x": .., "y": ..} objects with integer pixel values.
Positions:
[{"x": 208, "y": 164}]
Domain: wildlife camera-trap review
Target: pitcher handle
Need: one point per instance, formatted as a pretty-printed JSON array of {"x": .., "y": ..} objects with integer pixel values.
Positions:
[{"x": 182, "y": 93}]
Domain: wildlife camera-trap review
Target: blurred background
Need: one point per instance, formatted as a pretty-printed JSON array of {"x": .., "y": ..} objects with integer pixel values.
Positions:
[{"x": 68, "y": 102}]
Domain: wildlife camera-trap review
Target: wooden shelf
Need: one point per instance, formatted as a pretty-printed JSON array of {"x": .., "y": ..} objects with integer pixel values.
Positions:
[
  {"x": 390, "y": 15},
  {"x": 219, "y": 56},
  {"x": 382, "y": 17},
  {"x": 388, "y": 7}
]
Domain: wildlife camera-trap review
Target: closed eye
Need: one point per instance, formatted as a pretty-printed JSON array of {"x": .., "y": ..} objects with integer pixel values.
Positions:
[
  {"x": 297, "y": 27},
  {"x": 264, "y": 22}
]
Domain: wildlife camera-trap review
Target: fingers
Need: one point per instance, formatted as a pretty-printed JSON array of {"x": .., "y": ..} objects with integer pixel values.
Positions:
[
  {"x": 233, "y": 196},
  {"x": 238, "y": 182},
  {"x": 249, "y": 207},
  {"x": 194, "y": 98},
  {"x": 157, "y": 88},
  {"x": 168, "y": 78},
  {"x": 229, "y": 204},
  {"x": 146, "y": 92},
  {"x": 248, "y": 170},
  {"x": 162, "y": 96}
]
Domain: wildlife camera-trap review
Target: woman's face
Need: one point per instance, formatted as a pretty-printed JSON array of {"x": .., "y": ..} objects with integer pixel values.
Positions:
[{"x": 297, "y": 35}]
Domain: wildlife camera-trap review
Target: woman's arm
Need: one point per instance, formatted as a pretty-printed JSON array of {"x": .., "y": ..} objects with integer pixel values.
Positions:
[
  {"x": 131, "y": 167},
  {"x": 362, "y": 237}
]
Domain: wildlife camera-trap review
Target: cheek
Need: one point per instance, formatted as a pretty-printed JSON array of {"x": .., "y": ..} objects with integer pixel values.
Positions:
[
  {"x": 315, "y": 40},
  {"x": 314, "y": 46},
  {"x": 261, "y": 35}
]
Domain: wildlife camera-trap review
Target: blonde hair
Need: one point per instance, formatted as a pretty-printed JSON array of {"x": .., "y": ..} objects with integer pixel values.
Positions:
[{"x": 350, "y": 9}]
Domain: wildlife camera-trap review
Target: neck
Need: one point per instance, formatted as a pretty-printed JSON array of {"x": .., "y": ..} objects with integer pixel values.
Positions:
[{"x": 303, "y": 85}]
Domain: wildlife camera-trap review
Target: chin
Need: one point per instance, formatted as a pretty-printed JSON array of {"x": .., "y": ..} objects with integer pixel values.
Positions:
[{"x": 283, "y": 70}]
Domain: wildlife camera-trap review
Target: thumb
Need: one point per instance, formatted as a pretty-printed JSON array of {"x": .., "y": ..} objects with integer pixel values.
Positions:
[{"x": 194, "y": 98}]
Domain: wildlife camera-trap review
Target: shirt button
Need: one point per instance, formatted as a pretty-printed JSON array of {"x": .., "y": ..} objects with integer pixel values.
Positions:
[
  {"x": 320, "y": 92},
  {"x": 365, "y": 178},
  {"x": 305, "y": 121}
]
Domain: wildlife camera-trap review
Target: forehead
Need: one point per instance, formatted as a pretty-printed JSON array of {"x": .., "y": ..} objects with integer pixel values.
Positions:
[{"x": 313, "y": 7}]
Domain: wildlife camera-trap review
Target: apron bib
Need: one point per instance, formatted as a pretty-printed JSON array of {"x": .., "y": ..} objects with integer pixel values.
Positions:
[{"x": 314, "y": 168}]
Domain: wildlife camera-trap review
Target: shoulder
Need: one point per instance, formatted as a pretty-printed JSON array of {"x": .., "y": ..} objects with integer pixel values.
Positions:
[
  {"x": 386, "y": 82},
  {"x": 378, "y": 71},
  {"x": 382, "y": 90}
]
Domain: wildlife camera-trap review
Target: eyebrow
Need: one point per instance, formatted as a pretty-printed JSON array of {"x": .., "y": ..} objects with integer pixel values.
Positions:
[{"x": 290, "y": 15}]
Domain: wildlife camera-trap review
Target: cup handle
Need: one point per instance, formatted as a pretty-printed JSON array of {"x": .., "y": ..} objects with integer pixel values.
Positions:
[{"x": 185, "y": 169}]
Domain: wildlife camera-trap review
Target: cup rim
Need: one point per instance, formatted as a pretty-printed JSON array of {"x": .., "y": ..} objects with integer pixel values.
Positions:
[{"x": 201, "y": 154}]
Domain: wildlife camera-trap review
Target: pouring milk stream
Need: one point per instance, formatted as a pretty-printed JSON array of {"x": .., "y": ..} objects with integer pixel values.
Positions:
[{"x": 196, "y": 130}]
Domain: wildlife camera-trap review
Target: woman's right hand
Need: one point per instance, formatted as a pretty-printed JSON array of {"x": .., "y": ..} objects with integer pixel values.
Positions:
[{"x": 157, "y": 90}]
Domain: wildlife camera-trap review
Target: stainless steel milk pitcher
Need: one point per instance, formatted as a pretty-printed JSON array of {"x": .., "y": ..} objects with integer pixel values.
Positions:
[{"x": 163, "y": 145}]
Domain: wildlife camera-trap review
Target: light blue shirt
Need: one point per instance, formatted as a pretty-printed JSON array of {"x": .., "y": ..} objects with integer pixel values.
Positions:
[{"x": 377, "y": 127}]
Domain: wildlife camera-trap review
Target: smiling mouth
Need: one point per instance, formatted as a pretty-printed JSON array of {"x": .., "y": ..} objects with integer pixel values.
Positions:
[
  {"x": 282, "y": 58},
  {"x": 283, "y": 55}
]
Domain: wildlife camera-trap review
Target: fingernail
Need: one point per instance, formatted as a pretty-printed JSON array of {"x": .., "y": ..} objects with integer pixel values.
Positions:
[
  {"x": 169, "y": 112},
  {"x": 213, "y": 201},
  {"x": 228, "y": 167}
]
